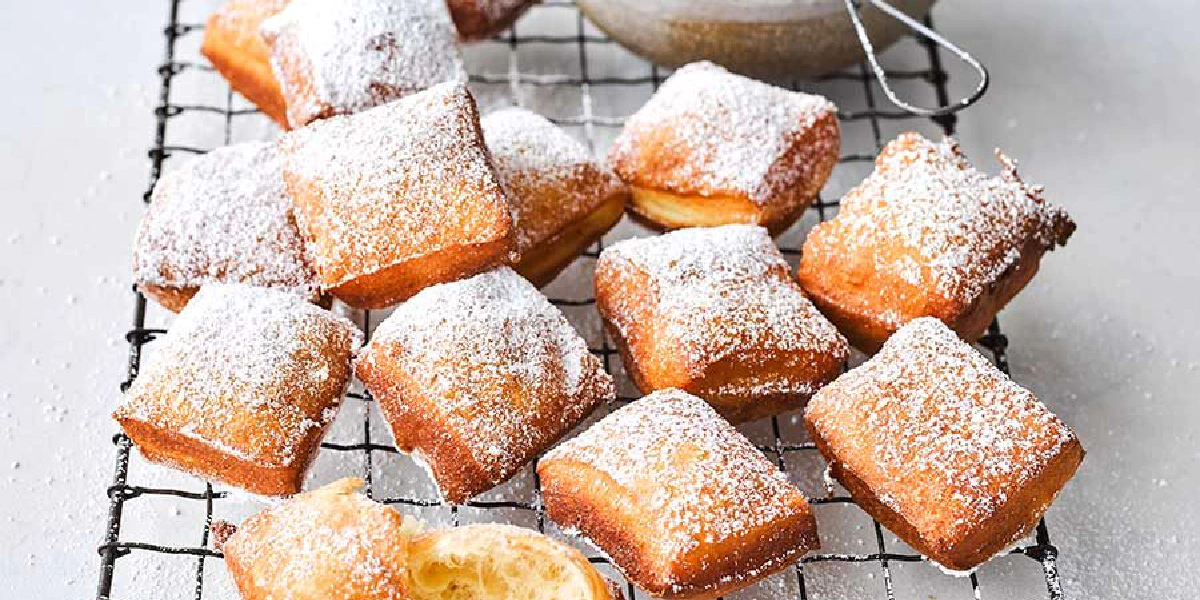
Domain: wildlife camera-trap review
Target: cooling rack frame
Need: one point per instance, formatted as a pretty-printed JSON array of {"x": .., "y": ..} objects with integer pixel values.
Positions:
[{"x": 121, "y": 491}]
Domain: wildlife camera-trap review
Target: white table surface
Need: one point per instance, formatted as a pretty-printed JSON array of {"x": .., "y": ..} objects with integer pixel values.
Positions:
[{"x": 1096, "y": 98}]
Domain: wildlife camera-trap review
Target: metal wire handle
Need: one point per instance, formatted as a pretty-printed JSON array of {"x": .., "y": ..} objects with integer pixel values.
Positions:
[{"x": 929, "y": 34}]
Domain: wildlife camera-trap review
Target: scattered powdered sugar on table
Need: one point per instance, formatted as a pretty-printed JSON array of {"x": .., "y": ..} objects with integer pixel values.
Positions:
[
  {"x": 223, "y": 217},
  {"x": 531, "y": 154},
  {"x": 498, "y": 362},
  {"x": 725, "y": 132},
  {"x": 247, "y": 370},
  {"x": 965, "y": 227},
  {"x": 344, "y": 56},
  {"x": 718, "y": 292},
  {"x": 402, "y": 180},
  {"x": 944, "y": 436},
  {"x": 332, "y": 540},
  {"x": 694, "y": 478}
]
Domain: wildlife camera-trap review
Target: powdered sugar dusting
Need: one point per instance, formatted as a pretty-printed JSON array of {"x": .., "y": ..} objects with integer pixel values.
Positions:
[
  {"x": 720, "y": 292},
  {"x": 494, "y": 357},
  {"x": 402, "y": 180},
  {"x": 725, "y": 133},
  {"x": 333, "y": 542},
  {"x": 344, "y": 56},
  {"x": 255, "y": 372},
  {"x": 965, "y": 228},
  {"x": 932, "y": 421},
  {"x": 530, "y": 154},
  {"x": 693, "y": 477},
  {"x": 223, "y": 217}
]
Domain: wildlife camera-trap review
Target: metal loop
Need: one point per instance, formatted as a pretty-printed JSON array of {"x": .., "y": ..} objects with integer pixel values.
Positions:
[{"x": 928, "y": 34}]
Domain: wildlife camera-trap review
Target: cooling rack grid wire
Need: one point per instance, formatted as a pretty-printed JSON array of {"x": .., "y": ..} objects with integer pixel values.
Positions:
[{"x": 591, "y": 89}]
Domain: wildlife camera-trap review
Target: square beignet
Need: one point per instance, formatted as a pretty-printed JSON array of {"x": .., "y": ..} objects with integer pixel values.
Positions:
[
  {"x": 713, "y": 148},
  {"x": 223, "y": 217},
  {"x": 330, "y": 543},
  {"x": 241, "y": 388},
  {"x": 397, "y": 198},
  {"x": 237, "y": 51},
  {"x": 941, "y": 447},
  {"x": 562, "y": 198},
  {"x": 335, "y": 57},
  {"x": 479, "y": 19},
  {"x": 684, "y": 504},
  {"x": 715, "y": 312},
  {"x": 927, "y": 235},
  {"x": 477, "y": 376}
]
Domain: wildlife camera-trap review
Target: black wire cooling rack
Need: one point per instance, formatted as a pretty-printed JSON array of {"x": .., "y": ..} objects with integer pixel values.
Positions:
[{"x": 579, "y": 45}]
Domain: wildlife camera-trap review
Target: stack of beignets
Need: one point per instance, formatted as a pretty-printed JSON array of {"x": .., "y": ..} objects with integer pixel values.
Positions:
[
  {"x": 562, "y": 199},
  {"x": 715, "y": 311},
  {"x": 477, "y": 376},
  {"x": 223, "y": 217},
  {"x": 399, "y": 197},
  {"x": 242, "y": 387},
  {"x": 941, "y": 447},
  {"x": 712, "y": 148},
  {"x": 685, "y": 506},
  {"x": 927, "y": 235},
  {"x": 390, "y": 189}
]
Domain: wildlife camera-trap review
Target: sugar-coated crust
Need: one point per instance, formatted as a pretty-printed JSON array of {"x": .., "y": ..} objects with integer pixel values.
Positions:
[
  {"x": 481, "y": 19},
  {"x": 684, "y": 505},
  {"x": 536, "y": 554},
  {"x": 332, "y": 542},
  {"x": 714, "y": 312},
  {"x": 928, "y": 235},
  {"x": 562, "y": 198},
  {"x": 712, "y": 148},
  {"x": 941, "y": 447},
  {"x": 242, "y": 388},
  {"x": 397, "y": 198},
  {"x": 345, "y": 56},
  {"x": 221, "y": 218},
  {"x": 478, "y": 376},
  {"x": 234, "y": 47}
]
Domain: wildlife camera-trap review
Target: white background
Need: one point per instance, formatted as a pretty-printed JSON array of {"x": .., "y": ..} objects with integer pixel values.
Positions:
[{"x": 1097, "y": 98}]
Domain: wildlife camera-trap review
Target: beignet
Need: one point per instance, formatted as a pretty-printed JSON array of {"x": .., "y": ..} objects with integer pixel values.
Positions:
[
  {"x": 941, "y": 447},
  {"x": 715, "y": 312},
  {"x": 334, "y": 57},
  {"x": 683, "y": 504},
  {"x": 480, "y": 19},
  {"x": 927, "y": 235},
  {"x": 490, "y": 561},
  {"x": 562, "y": 199},
  {"x": 223, "y": 217},
  {"x": 330, "y": 543},
  {"x": 712, "y": 148},
  {"x": 397, "y": 198},
  {"x": 477, "y": 376},
  {"x": 241, "y": 388},
  {"x": 237, "y": 51}
]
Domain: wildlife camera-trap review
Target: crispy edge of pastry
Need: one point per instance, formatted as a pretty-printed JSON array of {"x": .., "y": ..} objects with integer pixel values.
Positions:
[{"x": 246, "y": 65}]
